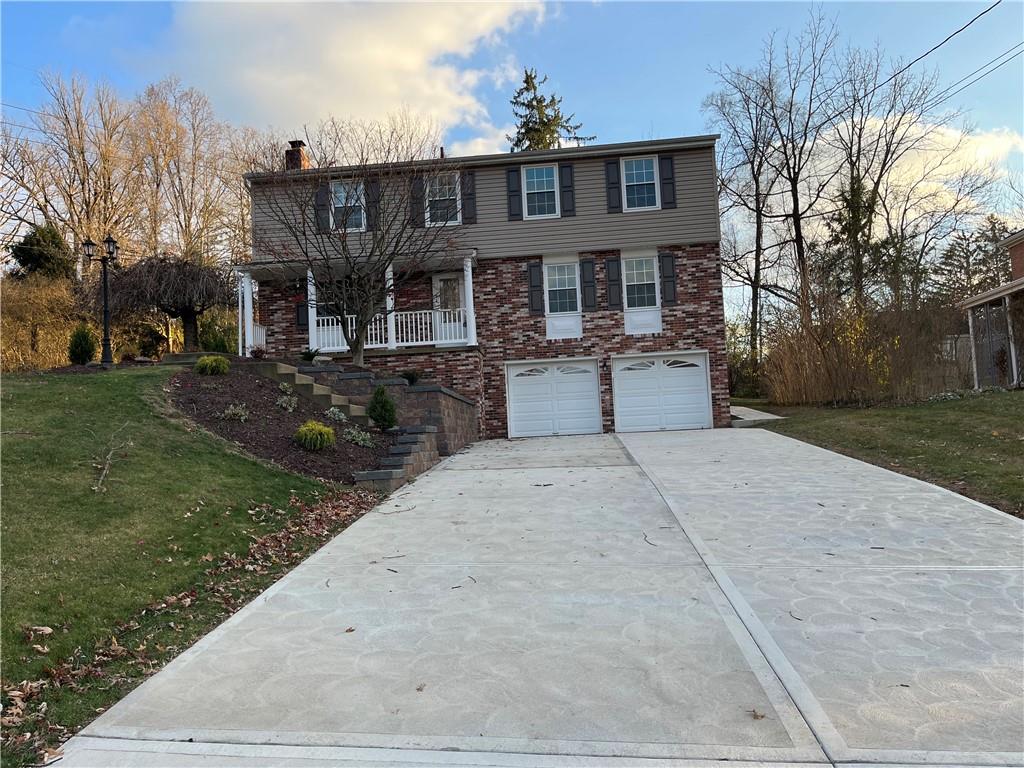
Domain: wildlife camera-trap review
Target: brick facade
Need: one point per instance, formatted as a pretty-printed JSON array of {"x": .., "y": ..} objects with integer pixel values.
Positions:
[
  {"x": 277, "y": 308},
  {"x": 506, "y": 331}
]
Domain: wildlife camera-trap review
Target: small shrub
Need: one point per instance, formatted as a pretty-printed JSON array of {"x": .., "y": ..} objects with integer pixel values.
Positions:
[
  {"x": 287, "y": 388},
  {"x": 236, "y": 412},
  {"x": 258, "y": 353},
  {"x": 411, "y": 376},
  {"x": 211, "y": 365},
  {"x": 314, "y": 436},
  {"x": 82, "y": 346},
  {"x": 334, "y": 413},
  {"x": 382, "y": 408},
  {"x": 309, "y": 355},
  {"x": 127, "y": 357},
  {"x": 357, "y": 436},
  {"x": 288, "y": 402}
]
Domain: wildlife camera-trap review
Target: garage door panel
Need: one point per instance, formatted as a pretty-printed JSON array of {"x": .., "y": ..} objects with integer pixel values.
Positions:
[
  {"x": 557, "y": 398},
  {"x": 661, "y": 392}
]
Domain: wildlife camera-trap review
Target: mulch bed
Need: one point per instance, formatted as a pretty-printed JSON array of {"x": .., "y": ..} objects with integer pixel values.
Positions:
[{"x": 268, "y": 432}]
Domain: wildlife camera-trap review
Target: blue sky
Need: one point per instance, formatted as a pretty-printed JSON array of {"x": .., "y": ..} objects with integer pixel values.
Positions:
[{"x": 628, "y": 70}]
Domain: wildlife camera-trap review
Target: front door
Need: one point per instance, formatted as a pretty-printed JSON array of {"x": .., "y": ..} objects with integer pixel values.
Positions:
[{"x": 449, "y": 309}]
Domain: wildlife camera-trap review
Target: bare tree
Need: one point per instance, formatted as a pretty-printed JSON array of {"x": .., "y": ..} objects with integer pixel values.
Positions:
[
  {"x": 746, "y": 182},
  {"x": 355, "y": 217},
  {"x": 74, "y": 169}
]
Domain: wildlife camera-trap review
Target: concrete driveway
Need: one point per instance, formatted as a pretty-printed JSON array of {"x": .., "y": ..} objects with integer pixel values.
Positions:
[{"x": 616, "y": 600}]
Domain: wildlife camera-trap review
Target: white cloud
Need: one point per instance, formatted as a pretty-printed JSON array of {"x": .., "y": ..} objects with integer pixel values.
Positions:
[
  {"x": 490, "y": 140},
  {"x": 289, "y": 65}
]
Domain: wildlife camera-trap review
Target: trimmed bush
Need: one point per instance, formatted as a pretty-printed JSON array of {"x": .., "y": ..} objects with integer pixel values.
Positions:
[
  {"x": 211, "y": 365},
  {"x": 356, "y": 436},
  {"x": 236, "y": 412},
  {"x": 334, "y": 413},
  {"x": 314, "y": 436},
  {"x": 382, "y": 408},
  {"x": 82, "y": 346}
]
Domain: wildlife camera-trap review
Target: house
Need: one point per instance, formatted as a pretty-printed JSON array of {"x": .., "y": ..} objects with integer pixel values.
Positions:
[
  {"x": 996, "y": 322},
  {"x": 586, "y": 297}
]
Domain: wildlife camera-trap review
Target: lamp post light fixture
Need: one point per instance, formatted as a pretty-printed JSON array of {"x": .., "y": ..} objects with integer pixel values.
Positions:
[{"x": 109, "y": 255}]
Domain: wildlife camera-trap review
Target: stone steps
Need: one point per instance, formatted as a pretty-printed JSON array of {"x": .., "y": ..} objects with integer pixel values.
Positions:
[
  {"x": 308, "y": 388},
  {"x": 414, "y": 452}
]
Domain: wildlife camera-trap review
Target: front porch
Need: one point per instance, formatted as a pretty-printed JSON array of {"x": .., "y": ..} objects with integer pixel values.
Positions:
[{"x": 436, "y": 311}]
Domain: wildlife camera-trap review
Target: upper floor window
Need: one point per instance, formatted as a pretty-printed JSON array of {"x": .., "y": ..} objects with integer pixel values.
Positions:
[
  {"x": 348, "y": 206},
  {"x": 640, "y": 183},
  {"x": 641, "y": 279},
  {"x": 540, "y": 188},
  {"x": 562, "y": 287},
  {"x": 443, "y": 200}
]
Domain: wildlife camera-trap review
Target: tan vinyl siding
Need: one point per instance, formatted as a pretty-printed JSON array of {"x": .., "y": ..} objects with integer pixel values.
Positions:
[{"x": 694, "y": 220}]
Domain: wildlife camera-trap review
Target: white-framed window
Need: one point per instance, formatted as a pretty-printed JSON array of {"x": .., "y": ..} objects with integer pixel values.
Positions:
[
  {"x": 641, "y": 281},
  {"x": 444, "y": 203},
  {"x": 562, "y": 288},
  {"x": 348, "y": 206},
  {"x": 540, "y": 192},
  {"x": 640, "y": 190}
]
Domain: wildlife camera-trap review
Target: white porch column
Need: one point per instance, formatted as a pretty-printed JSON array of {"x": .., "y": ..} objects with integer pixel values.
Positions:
[
  {"x": 389, "y": 299},
  {"x": 467, "y": 282},
  {"x": 247, "y": 320},
  {"x": 1014, "y": 377},
  {"x": 311, "y": 309},
  {"x": 241, "y": 322},
  {"x": 974, "y": 358}
]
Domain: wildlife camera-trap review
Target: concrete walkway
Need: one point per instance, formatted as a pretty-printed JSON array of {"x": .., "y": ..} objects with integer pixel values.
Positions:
[{"x": 670, "y": 598}]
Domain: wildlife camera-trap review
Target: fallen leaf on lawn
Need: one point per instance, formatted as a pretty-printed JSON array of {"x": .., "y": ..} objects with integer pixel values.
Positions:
[
  {"x": 43, "y": 630},
  {"x": 207, "y": 558},
  {"x": 41, "y": 648}
]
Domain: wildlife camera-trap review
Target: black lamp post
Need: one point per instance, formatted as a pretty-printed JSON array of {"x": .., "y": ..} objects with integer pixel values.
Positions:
[{"x": 109, "y": 255}]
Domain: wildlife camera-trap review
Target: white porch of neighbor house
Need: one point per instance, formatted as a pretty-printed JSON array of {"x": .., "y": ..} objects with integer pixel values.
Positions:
[{"x": 452, "y": 321}]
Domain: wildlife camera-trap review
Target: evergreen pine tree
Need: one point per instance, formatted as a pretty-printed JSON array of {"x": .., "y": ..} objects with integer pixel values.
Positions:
[
  {"x": 540, "y": 123},
  {"x": 43, "y": 251}
]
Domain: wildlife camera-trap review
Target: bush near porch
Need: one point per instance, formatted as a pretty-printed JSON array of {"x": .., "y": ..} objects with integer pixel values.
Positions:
[{"x": 973, "y": 444}]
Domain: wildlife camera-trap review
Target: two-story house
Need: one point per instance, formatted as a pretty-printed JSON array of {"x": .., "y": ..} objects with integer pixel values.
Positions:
[{"x": 588, "y": 296}]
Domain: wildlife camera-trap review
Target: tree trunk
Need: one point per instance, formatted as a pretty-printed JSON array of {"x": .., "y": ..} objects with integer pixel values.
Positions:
[
  {"x": 755, "y": 290},
  {"x": 190, "y": 329},
  {"x": 801, "y": 256}
]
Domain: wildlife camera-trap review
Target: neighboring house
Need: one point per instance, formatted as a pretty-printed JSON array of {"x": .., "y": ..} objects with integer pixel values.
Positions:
[
  {"x": 588, "y": 295},
  {"x": 996, "y": 322}
]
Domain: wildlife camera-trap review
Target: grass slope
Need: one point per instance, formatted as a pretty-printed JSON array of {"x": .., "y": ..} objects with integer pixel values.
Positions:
[
  {"x": 80, "y": 560},
  {"x": 973, "y": 446}
]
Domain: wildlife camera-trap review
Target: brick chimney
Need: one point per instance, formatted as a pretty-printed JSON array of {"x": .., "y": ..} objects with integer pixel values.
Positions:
[
  {"x": 295, "y": 157},
  {"x": 1017, "y": 260}
]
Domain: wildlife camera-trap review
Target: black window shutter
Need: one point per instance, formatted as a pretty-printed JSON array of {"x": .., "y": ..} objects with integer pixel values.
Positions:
[
  {"x": 588, "y": 285},
  {"x": 668, "y": 181},
  {"x": 567, "y": 193},
  {"x": 467, "y": 185},
  {"x": 371, "y": 190},
  {"x": 535, "y": 276},
  {"x": 613, "y": 273},
  {"x": 667, "y": 268},
  {"x": 301, "y": 311},
  {"x": 613, "y": 186},
  {"x": 515, "y": 194},
  {"x": 322, "y": 208},
  {"x": 416, "y": 201}
]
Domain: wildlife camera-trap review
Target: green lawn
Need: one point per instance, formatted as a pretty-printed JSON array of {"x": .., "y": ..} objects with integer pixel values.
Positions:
[
  {"x": 973, "y": 446},
  {"x": 83, "y": 561}
]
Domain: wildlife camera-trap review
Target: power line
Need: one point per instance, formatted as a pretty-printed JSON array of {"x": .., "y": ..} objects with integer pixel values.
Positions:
[{"x": 942, "y": 98}]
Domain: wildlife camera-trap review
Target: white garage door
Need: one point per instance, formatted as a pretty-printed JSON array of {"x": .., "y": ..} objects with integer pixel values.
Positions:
[
  {"x": 556, "y": 398},
  {"x": 661, "y": 392}
]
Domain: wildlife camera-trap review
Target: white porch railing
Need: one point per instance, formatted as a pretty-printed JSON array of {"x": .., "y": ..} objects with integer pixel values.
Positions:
[
  {"x": 412, "y": 329},
  {"x": 259, "y": 336}
]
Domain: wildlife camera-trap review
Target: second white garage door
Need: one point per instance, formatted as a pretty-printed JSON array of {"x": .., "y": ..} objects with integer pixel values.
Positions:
[
  {"x": 557, "y": 398},
  {"x": 661, "y": 392}
]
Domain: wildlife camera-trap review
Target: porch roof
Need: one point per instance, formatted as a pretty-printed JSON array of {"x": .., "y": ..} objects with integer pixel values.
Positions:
[{"x": 994, "y": 293}]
